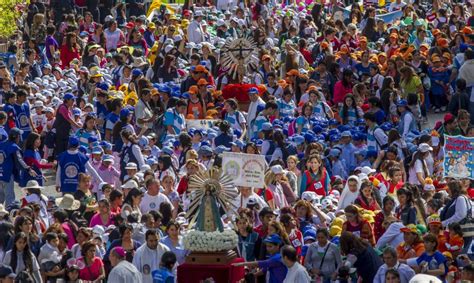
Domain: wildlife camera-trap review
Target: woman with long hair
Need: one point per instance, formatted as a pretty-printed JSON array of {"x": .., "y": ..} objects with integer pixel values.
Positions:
[
  {"x": 357, "y": 225},
  {"x": 323, "y": 258},
  {"x": 315, "y": 178},
  {"x": 166, "y": 167},
  {"x": 104, "y": 217},
  {"x": 26, "y": 224},
  {"x": 350, "y": 112},
  {"x": 69, "y": 50},
  {"x": 295, "y": 236},
  {"x": 320, "y": 108},
  {"x": 93, "y": 269},
  {"x": 275, "y": 227},
  {"x": 22, "y": 261},
  {"x": 249, "y": 241},
  {"x": 412, "y": 245},
  {"x": 168, "y": 71},
  {"x": 125, "y": 241},
  {"x": 388, "y": 205},
  {"x": 131, "y": 203},
  {"x": 389, "y": 96},
  {"x": 418, "y": 168},
  {"x": 343, "y": 86},
  {"x": 361, "y": 256},
  {"x": 302, "y": 123},
  {"x": 174, "y": 241},
  {"x": 406, "y": 210},
  {"x": 276, "y": 181},
  {"x": 124, "y": 124},
  {"x": 32, "y": 158},
  {"x": 410, "y": 82},
  {"x": 366, "y": 198},
  {"x": 137, "y": 41}
]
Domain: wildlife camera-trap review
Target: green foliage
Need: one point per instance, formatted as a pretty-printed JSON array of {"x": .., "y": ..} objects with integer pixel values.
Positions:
[{"x": 10, "y": 12}]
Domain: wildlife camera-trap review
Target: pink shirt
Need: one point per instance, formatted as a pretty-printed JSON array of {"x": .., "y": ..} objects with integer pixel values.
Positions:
[
  {"x": 92, "y": 272},
  {"x": 97, "y": 220},
  {"x": 340, "y": 92},
  {"x": 71, "y": 239}
]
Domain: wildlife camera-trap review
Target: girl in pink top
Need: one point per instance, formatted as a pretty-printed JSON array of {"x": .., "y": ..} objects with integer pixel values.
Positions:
[
  {"x": 343, "y": 87},
  {"x": 93, "y": 266},
  {"x": 104, "y": 217}
]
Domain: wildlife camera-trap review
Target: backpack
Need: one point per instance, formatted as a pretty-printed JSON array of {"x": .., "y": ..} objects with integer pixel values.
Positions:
[{"x": 159, "y": 128}]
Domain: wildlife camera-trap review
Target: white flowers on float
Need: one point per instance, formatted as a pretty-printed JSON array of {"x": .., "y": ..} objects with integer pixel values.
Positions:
[{"x": 200, "y": 241}]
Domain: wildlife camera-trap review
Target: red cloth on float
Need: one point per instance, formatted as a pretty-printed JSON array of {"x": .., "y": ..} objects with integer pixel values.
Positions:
[
  {"x": 237, "y": 91},
  {"x": 195, "y": 273}
]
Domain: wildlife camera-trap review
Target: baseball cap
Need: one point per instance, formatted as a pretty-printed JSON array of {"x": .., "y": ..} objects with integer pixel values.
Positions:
[
  {"x": 73, "y": 141},
  {"x": 266, "y": 126},
  {"x": 424, "y": 147},
  {"x": 124, "y": 112},
  {"x": 402, "y": 102},
  {"x": 253, "y": 90},
  {"x": 448, "y": 118},
  {"x": 433, "y": 219},
  {"x": 273, "y": 239},
  {"x": 131, "y": 165},
  {"x": 410, "y": 228},
  {"x": 68, "y": 96},
  {"x": 277, "y": 169}
]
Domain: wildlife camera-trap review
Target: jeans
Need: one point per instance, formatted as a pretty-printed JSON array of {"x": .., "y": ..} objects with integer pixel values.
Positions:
[{"x": 7, "y": 192}]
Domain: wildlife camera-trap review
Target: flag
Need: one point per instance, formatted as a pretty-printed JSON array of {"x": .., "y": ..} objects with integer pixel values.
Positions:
[{"x": 156, "y": 4}]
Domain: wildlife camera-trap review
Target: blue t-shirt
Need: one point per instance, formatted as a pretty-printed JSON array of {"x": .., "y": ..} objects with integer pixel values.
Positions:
[
  {"x": 433, "y": 260},
  {"x": 274, "y": 265},
  {"x": 302, "y": 121},
  {"x": 172, "y": 118}
]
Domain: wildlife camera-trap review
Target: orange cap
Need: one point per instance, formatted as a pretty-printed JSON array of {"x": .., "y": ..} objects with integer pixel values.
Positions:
[
  {"x": 324, "y": 45},
  {"x": 436, "y": 31},
  {"x": 293, "y": 72},
  {"x": 363, "y": 39},
  {"x": 435, "y": 59},
  {"x": 202, "y": 82},
  {"x": 193, "y": 89},
  {"x": 443, "y": 42},
  {"x": 200, "y": 68}
]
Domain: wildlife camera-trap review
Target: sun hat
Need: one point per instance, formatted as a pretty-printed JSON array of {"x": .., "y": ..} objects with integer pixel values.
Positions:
[
  {"x": 68, "y": 202},
  {"x": 410, "y": 228}
]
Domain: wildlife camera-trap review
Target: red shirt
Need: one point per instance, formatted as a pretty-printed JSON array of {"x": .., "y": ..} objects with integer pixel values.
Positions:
[
  {"x": 296, "y": 240},
  {"x": 67, "y": 55},
  {"x": 261, "y": 231}
]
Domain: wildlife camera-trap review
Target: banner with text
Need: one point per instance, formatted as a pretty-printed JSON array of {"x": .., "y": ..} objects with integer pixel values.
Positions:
[
  {"x": 247, "y": 170},
  {"x": 200, "y": 124},
  {"x": 459, "y": 157}
]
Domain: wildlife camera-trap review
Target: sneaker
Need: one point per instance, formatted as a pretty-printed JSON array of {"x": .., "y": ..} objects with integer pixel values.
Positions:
[
  {"x": 424, "y": 120},
  {"x": 443, "y": 108},
  {"x": 436, "y": 110}
]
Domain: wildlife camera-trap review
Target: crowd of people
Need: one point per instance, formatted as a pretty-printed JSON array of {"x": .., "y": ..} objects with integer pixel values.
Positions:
[{"x": 101, "y": 99}]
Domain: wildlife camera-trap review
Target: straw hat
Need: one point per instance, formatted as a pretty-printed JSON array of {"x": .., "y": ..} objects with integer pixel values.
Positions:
[{"x": 68, "y": 202}]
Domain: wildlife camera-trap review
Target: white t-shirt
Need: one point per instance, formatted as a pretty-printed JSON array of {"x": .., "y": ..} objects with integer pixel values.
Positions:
[
  {"x": 153, "y": 202},
  {"x": 417, "y": 168},
  {"x": 297, "y": 273}
]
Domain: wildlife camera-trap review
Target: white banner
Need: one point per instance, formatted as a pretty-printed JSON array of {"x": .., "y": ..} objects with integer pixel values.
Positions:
[
  {"x": 247, "y": 170},
  {"x": 200, "y": 124}
]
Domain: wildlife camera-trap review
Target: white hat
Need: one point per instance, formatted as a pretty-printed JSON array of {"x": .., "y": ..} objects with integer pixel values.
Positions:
[
  {"x": 198, "y": 14},
  {"x": 49, "y": 109},
  {"x": 168, "y": 48},
  {"x": 38, "y": 103},
  {"x": 33, "y": 184},
  {"x": 130, "y": 184},
  {"x": 3, "y": 211},
  {"x": 241, "y": 22},
  {"x": 131, "y": 165},
  {"x": 424, "y": 147},
  {"x": 220, "y": 22},
  {"x": 277, "y": 169},
  {"x": 68, "y": 202},
  {"x": 367, "y": 170}
]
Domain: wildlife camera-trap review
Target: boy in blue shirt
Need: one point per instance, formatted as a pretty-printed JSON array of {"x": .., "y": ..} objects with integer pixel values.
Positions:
[
  {"x": 165, "y": 273},
  {"x": 273, "y": 265}
]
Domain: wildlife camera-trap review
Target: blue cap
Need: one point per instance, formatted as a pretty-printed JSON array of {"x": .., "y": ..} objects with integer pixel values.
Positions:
[
  {"x": 143, "y": 141},
  {"x": 164, "y": 89},
  {"x": 346, "y": 134},
  {"x": 152, "y": 161},
  {"x": 220, "y": 149},
  {"x": 92, "y": 139},
  {"x": 124, "y": 113},
  {"x": 371, "y": 153},
  {"x": 333, "y": 122},
  {"x": 168, "y": 150},
  {"x": 387, "y": 126},
  {"x": 334, "y": 152},
  {"x": 103, "y": 86},
  {"x": 205, "y": 150},
  {"x": 362, "y": 152},
  {"x": 298, "y": 139},
  {"x": 240, "y": 143},
  {"x": 253, "y": 90},
  {"x": 260, "y": 108},
  {"x": 211, "y": 135},
  {"x": 267, "y": 126},
  {"x": 273, "y": 239},
  {"x": 259, "y": 142},
  {"x": 309, "y": 234},
  {"x": 68, "y": 96},
  {"x": 107, "y": 157},
  {"x": 15, "y": 132},
  {"x": 83, "y": 149},
  {"x": 73, "y": 141},
  {"x": 97, "y": 150},
  {"x": 137, "y": 72},
  {"x": 106, "y": 145},
  {"x": 402, "y": 102}
]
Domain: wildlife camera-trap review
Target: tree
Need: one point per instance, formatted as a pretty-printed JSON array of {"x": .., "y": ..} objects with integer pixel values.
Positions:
[{"x": 11, "y": 11}]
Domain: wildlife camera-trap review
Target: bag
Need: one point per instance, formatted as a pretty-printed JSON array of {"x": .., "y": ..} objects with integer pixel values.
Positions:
[
  {"x": 292, "y": 128},
  {"x": 467, "y": 224},
  {"x": 159, "y": 128},
  {"x": 24, "y": 277}
]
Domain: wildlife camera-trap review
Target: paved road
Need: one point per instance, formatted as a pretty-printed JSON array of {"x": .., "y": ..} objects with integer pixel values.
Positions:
[{"x": 50, "y": 189}]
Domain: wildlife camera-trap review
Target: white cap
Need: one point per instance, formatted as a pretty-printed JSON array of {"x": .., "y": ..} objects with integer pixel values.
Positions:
[
  {"x": 367, "y": 170},
  {"x": 277, "y": 169},
  {"x": 220, "y": 22},
  {"x": 38, "y": 103},
  {"x": 424, "y": 147},
  {"x": 130, "y": 184},
  {"x": 131, "y": 165}
]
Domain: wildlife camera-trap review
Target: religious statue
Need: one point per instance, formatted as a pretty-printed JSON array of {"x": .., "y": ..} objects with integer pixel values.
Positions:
[
  {"x": 209, "y": 190},
  {"x": 237, "y": 54}
]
